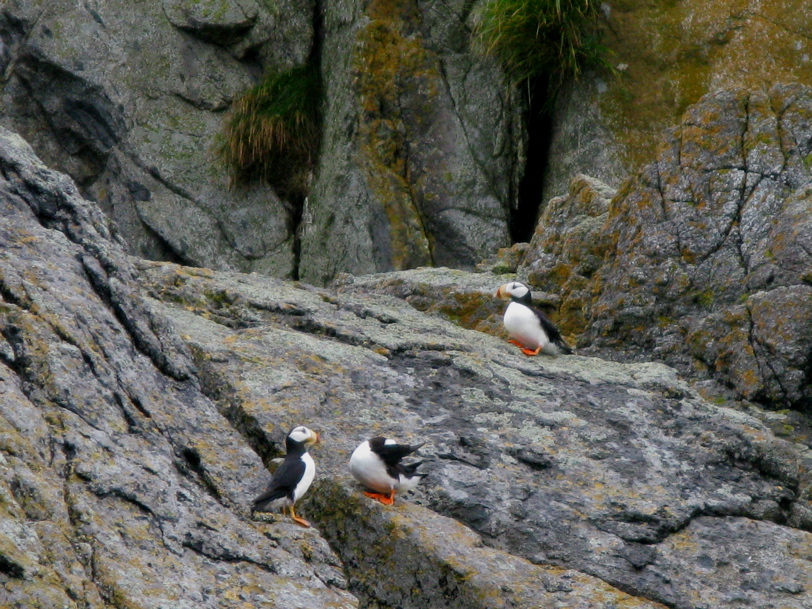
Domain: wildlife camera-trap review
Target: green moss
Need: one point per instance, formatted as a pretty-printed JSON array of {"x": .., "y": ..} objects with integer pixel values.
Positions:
[
  {"x": 672, "y": 53},
  {"x": 392, "y": 62},
  {"x": 664, "y": 321},
  {"x": 553, "y": 39},
  {"x": 705, "y": 298}
]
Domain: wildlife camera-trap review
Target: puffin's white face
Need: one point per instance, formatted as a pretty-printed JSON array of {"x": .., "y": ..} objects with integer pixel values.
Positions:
[
  {"x": 303, "y": 434},
  {"x": 514, "y": 288}
]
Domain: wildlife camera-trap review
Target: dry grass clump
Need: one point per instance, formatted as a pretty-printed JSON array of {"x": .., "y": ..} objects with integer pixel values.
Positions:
[{"x": 272, "y": 132}]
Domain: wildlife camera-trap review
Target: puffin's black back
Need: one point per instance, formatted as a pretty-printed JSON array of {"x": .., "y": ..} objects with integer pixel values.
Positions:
[
  {"x": 286, "y": 476},
  {"x": 552, "y": 332},
  {"x": 283, "y": 483},
  {"x": 391, "y": 455}
]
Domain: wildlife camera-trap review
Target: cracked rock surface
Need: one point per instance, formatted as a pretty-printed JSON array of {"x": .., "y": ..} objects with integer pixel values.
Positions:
[
  {"x": 128, "y": 99},
  {"x": 619, "y": 472},
  {"x": 704, "y": 258},
  {"x": 121, "y": 485},
  {"x": 420, "y": 162},
  {"x": 142, "y": 401},
  {"x": 422, "y": 140}
]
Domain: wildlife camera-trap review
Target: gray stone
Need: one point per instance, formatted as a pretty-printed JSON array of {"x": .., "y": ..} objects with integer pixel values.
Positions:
[
  {"x": 129, "y": 100},
  {"x": 122, "y": 484},
  {"x": 141, "y": 400},
  {"x": 575, "y": 462},
  {"x": 582, "y": 140},
  {"x": 419, "y": 164}
]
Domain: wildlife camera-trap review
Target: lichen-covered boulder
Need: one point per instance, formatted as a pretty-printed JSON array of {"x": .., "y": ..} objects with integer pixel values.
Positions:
[
  {"x": 568, "y": 247},
  {"x": 704, "y": 258},
  {"x": 420, "y": 156},
  {"x": 669, "y": 55}
]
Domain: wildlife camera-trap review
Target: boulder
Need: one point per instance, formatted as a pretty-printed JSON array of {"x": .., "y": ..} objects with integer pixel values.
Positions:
[{"x": 703, "y": 258}]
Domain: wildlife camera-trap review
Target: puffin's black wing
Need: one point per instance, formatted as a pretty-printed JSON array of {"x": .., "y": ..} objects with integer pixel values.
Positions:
[
  {"x": 283, "y": 483},
  {"x": 391, "y": 454},
  {"x": 552, "y": 332}
]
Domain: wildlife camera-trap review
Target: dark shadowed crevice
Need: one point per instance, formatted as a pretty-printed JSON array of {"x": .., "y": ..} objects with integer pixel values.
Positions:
[
  {"x": 10, "y": 568},
  {"x": 191, "y": 465},
  {"x": 539, "y": 127},
  {"x": 296, "y": 204}
]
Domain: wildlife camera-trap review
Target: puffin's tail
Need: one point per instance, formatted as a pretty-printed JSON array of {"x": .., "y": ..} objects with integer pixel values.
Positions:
[
  {"x": 415, "y": 448},
  {"x": 263, "y": 502},
  {"x": 563, "y": 347}
]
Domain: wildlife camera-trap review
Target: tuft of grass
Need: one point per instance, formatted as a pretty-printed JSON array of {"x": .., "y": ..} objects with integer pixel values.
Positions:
[
  {"x": 553, "y": 39},
  {"x": 272, "y": 132}
]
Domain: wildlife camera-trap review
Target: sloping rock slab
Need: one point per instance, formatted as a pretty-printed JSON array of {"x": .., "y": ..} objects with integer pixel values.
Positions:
[
  {"x": 616, "y": 471},
  {"x": 404, "y": 555},
  {"x": 120, "y": 483}
]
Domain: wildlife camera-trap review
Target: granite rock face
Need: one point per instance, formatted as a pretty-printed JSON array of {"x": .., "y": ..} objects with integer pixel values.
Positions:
[
  {"x": 127, "y": 98},
  {"x": 704, "y": 258},
  {"x": 142, "y": 400},
  {"x": 420, "y": 158},
  {"x": 421, "y": 145},
  {"x": 614, "y": 471}
]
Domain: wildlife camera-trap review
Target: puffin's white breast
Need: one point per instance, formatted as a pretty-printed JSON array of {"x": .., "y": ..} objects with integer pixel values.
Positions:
[
  {"x": 523, "y": 324},
  {"x": 307, "y": 477},
  {"x": 370, "y": 470}
]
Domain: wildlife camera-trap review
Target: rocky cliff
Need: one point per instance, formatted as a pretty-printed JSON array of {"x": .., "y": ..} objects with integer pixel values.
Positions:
[
  {"x": 669, "y": 55},
  {"x": 127, "y": 98},
  {"x": 420, "y": 164},
  {"x": 421, "y": 137},
  {"x": 142, "y": 401},
  {"x": 702, "y": 259}
]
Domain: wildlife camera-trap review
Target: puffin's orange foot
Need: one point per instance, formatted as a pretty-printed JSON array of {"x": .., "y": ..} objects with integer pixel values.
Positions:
[
  {"x": 298, "y": 519},
  {"x": 524, "y": 349},
  {"x": 301, "y": 521},
  {"x": 385, "y": 499}
]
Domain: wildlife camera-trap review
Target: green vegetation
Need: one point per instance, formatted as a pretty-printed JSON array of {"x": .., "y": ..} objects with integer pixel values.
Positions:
[
  {"x": 551, "y": 39},
  {"x": 272, "y": 132}
]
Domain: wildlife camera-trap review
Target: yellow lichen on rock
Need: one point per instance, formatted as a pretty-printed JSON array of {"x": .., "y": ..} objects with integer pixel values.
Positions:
[{"x": 673, "y": 53}]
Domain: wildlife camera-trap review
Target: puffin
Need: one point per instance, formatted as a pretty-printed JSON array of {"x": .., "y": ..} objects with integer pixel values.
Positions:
[
  {"x": 376, "y": 463},
  {"x": 293, "y": 476},
  {"x": 530, "y": 329}
]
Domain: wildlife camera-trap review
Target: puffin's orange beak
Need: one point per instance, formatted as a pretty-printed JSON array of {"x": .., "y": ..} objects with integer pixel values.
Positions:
[
  {"x": 500, "y": 293},
  {"x": 315, "y": 440}
]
